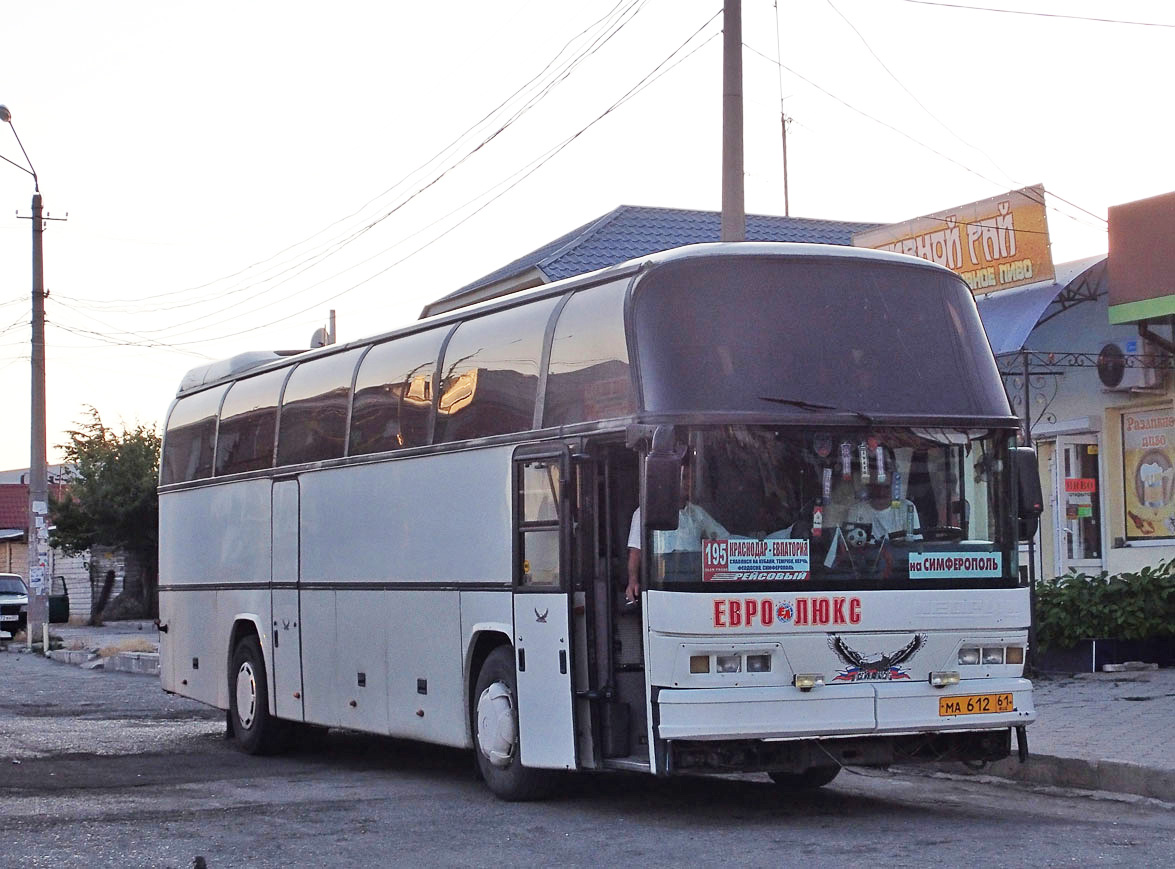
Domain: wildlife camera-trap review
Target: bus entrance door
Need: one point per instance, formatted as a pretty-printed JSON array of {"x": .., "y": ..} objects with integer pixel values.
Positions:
[
  {"x": 286, "y": 674},
  {"x": 542, "y": 631}
]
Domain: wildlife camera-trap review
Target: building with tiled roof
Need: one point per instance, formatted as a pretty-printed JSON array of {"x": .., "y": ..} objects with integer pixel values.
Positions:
[
  {"x": 630, "y": 232},
  {"x": 14, "y": 510}
]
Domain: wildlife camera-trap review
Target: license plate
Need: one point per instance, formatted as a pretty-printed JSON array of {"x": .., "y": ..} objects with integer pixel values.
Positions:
[
  {"x": 11, "y": 618},
  {"x": 975, "y": 704}
]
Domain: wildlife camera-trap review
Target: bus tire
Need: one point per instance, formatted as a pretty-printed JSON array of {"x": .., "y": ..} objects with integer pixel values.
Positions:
[
  {"x": 808, "y": 780},
  {"x": 255, "y": 730},
  {"x": 495, "y": 732}
]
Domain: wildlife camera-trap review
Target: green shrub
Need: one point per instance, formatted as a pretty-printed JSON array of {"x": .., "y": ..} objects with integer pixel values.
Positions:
[{"x": 1126, "y": 606}]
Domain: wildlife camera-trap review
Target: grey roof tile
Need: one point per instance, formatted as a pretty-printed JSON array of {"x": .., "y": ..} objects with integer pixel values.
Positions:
[{"x": 633, "y": 231}]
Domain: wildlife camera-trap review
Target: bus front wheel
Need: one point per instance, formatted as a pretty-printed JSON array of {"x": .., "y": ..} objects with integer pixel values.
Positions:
[
  {"x": 495, "y": 732},
  {"x": 256, "y": 731},
  {"x": 808, "y": 780}
]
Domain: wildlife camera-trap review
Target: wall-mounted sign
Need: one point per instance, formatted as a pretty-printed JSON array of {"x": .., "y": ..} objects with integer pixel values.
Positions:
[
  {"x": 995, "y": 244},
  {"x": 1148, "y": 458},
  {"x": 1142, "y": 282}
]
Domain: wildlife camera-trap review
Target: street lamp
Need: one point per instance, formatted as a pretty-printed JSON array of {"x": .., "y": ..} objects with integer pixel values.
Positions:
[{"x": 38, "y": 535}]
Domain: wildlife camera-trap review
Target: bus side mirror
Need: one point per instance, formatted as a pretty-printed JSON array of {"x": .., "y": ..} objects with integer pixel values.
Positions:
[
  {"x": 1029, "y": 500},
  {"x": 662, "y": 482}
]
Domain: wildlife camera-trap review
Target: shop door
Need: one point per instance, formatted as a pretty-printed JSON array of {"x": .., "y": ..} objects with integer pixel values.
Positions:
[{"x": 1078, "y": 492}]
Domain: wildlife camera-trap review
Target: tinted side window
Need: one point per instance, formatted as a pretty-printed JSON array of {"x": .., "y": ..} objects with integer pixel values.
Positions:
[
  {"x": 491, "y": 373},
  {"x": 248, "y": 423},
  {"x": 588, "y": 377},
  {"x": 314, "y": 409},
  {"x": 190, "y": 437},
  {"x": 393, "y": 394}
]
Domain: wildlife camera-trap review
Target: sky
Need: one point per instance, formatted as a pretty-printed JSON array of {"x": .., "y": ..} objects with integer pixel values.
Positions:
[{"x": 232, "y": 171}]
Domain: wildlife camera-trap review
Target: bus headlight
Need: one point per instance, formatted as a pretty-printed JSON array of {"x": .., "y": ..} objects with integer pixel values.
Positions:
[
  {"x": 699, "y": 663},
  {"x": 944, "y": 678},
  {"x": 729, "y": 663},
  {"x": 968, "y": 655},
  {"x": 993, "y": 655},
  {"x": 758, "y": 663},
  {"x": 1015, "y": 655}
]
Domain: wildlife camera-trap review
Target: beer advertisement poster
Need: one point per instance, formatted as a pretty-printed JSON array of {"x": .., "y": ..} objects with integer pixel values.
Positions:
[{"x": 1148, "y": 455}]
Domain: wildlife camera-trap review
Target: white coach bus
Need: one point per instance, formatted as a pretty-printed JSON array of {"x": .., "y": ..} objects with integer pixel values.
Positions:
[{"x": 426, "y": 534}]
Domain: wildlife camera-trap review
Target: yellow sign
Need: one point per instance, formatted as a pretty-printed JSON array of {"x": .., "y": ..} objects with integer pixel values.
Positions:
[
  {"x": 995, "y": 244},
  {"x": 1148, "y": 455}
]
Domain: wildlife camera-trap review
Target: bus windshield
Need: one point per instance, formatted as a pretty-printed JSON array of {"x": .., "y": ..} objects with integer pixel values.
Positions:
[
  {"x": 763, "y": 335},
  {"x": 841, "y": 508}
]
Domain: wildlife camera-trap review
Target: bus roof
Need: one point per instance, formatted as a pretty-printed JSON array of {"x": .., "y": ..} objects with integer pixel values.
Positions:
[{"x": 212, "y": 373}]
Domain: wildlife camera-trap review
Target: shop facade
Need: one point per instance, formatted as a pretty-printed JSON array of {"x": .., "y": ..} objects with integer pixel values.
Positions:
[{"x": 1094, "y": 384}]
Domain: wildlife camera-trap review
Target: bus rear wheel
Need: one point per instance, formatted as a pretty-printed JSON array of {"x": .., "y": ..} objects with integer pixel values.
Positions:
[
  {"x": 495, "y": 732},
  {"x": 808, "y": 780},
  {"x": 255, "y": 730}
]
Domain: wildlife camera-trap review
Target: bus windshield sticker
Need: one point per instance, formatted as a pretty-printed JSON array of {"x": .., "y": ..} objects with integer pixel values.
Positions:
[
  {"x": 745, "y": 559},
  {"x": 955, "y": 565}
]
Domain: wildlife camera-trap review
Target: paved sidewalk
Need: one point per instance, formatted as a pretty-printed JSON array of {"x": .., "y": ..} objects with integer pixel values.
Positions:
[
  {"x": 1096, "y": 731},
  {"x": 1102, "y": 731}
]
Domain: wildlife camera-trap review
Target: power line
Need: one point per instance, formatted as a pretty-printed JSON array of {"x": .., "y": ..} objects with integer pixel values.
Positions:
[
  {"x": 510, "y": 182},
  {"x": 911, "y": 138},
  {"x": 609, "y": 25},
  {"x": 1040, "y": 14},
  {"x": 909, "y": 92},
  {"x": 942, "y": 124},
  {"x": 141, "y": 338},
  {"x": 143, "y": 341}
]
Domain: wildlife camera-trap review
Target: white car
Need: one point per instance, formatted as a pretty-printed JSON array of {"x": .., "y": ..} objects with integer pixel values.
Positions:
[{"x": 14, "y": 605}]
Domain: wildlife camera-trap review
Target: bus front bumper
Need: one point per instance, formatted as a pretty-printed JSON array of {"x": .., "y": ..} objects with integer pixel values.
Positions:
[{"x": 856, "y": 709}]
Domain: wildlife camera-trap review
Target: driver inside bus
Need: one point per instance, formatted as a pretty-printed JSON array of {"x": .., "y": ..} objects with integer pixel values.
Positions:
[
  {"x": 883, "y": 514},
  {"x": 693, "y": 524}
]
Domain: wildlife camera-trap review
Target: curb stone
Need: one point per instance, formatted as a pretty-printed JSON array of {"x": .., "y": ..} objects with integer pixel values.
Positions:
[
  {"x": 126, "y": 662},
  {"x": 1089, "y": 775},
  {"x": 71, "y": 656},
  {"x": 135, "y": 662}
]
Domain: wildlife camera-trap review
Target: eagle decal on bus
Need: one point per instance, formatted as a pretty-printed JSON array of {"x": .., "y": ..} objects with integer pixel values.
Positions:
[{"x": 883, "y": 668}]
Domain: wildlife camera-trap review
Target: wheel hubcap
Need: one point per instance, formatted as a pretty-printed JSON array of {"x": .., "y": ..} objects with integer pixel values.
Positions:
[
  {"x": 246, "y": 695},
  {"x": 497, "y": 725}
]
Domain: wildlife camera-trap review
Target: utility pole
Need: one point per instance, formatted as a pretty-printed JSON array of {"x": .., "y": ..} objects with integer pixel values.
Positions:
[
  {"x": 38, "y": 467},
  {"x": 734, "y": 218},
  {"x": 785, "y": 120},
  {"x": 38, "y": 519}
]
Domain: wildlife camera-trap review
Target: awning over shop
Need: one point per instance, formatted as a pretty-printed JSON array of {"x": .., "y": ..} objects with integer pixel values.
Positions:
[{"x": 1010, "y": 316}]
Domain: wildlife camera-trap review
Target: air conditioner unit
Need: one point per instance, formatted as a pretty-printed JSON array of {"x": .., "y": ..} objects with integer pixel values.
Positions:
[{"x": 1123, "y": 366}]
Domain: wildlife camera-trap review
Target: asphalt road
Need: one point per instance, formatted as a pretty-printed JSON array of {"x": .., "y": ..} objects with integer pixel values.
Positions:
[{"x": 103, "y": 769}]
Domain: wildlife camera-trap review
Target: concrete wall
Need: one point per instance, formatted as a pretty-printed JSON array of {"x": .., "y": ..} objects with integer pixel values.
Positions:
[{"x": 72, "y": 571}]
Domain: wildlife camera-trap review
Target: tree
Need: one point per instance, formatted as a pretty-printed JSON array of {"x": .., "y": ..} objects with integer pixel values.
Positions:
[{"x": 110, "y": 500}]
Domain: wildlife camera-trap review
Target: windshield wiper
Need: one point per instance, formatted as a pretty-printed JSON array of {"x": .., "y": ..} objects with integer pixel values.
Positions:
[{"x": 812, "y": 405}]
